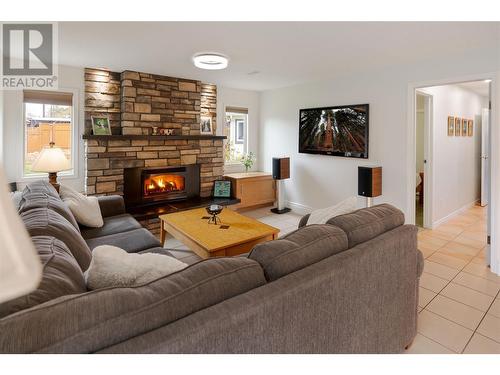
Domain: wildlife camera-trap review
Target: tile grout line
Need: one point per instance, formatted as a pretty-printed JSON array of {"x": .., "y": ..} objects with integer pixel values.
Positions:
[
  {"x": 444, "y": 346},
  {"x": 473, "y": 333},
  {"x": 448, "y": 283}
]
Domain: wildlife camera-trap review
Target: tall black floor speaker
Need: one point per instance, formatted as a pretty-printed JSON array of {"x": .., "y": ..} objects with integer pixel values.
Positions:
[{"x": 281, "y": 172}]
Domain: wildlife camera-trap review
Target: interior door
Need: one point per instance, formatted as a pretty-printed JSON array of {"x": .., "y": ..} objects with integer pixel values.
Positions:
[{"x": 485, "y": 177}]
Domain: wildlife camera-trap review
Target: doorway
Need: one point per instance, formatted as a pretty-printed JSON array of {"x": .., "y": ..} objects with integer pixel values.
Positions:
[
  {"x": 451, "y": 150},
  {"x": 423, "y": 140}
]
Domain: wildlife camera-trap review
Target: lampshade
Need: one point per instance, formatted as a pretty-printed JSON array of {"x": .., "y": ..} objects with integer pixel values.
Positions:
[
  {"x": 50, "y": 160},
  {"x": 20, "y": 266}
]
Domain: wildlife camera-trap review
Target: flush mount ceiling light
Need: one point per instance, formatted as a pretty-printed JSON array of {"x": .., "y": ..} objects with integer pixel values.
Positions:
[{"x": 210, "y": 61}]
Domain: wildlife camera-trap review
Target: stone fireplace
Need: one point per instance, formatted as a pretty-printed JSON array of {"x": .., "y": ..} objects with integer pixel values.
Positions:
[{"x": 135, "y": 102}]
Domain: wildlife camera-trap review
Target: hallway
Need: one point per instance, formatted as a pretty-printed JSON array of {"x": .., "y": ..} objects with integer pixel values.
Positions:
[{"x": 459, "y": 305}]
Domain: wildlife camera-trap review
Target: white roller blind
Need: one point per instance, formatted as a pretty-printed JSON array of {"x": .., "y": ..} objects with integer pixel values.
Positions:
[
  {"x": 243, "y": 111},
  {"x": 48, "y": 97}
]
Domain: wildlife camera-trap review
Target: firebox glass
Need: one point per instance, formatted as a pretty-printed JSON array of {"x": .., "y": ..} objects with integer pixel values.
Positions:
[{"x": 162, "y": 184}]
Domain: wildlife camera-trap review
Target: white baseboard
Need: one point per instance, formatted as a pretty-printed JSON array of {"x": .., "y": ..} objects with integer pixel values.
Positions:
[
  {"x": 298, "y": 208},
  {"x": 453, "y": 214}
]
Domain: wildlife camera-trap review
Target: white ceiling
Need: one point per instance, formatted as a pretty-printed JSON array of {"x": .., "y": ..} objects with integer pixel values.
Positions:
[
  {"x": 479, "y": 87},
  {"x": 282, "y": 53}
]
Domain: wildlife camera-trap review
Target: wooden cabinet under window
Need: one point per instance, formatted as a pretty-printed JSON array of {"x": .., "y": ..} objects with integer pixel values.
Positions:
[{"x": 252, "y": 188}]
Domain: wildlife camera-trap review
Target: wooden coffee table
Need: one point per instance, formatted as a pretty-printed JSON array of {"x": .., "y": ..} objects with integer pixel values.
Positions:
[{"x": 236, "y": 234}]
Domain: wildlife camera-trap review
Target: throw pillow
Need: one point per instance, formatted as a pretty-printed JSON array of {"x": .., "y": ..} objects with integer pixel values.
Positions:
[
  {"x": 61, "y": 276},
  {"x": 16, "y": 197},
  {"x": 322, "y": 215},
  {"x": 112, "y": 266},
  {"x": 85, "y": 209}
]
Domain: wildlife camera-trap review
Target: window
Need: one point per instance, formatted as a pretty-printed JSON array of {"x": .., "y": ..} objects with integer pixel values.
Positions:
[
  {"x": 235, "y": 129},
  {"x": 47, "y": 118}
]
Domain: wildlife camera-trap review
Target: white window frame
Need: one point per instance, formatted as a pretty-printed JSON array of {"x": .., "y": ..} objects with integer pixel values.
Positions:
[
  {"x": 234, "y": 163},
  {"x": 75, "y": 134},
  {"x": 239, "y": 136}
]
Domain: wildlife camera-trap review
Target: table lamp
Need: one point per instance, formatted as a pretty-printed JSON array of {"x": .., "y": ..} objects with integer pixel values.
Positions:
[
  {"x": 51, "y": 160},
  {"x": 20, "y": 266}
]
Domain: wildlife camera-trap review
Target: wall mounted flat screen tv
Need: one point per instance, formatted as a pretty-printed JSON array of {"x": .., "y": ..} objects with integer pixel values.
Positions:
[{"x": 337, "y": 131}]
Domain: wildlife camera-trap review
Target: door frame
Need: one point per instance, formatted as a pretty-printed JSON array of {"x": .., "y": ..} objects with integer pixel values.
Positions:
[
  {"x": 428, "y": 155},
  {"x": 494, "y": 206}
]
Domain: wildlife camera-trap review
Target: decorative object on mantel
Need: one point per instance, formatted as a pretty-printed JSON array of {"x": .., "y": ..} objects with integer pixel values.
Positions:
[
  {"x": 100, "y": 125},
  {"x": 206, "y": 125},
  {"x": 214, "y": 210},
  {"x": 51, "y": 160},
  {"x": 281, "y": 172},
  {"x": 248, "y": 160},
  {"x": 369, "y": 183},
  {"x": 166, "y": 131},
  {"x": 21, "y": 266}
]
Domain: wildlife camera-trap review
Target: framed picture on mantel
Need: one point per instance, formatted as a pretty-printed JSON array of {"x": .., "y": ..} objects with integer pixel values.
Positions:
[
  {"x": 206, "y": 125},
  {"x": 100, "y": 125}
]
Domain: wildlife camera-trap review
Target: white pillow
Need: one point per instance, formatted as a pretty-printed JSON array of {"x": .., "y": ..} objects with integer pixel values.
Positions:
[
  {"x": 112, "y": 266},
  {"x": 322, "y": 215},
  {"x": 85, "y": 209},
  {"x": 16, "y": 198}
]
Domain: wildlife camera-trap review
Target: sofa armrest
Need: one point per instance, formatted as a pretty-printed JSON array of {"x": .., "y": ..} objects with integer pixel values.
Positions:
[
  {"x": 303, "y": 220},
  {"x": 111, "y": 205},
  {"x": 420, "y": 263}
]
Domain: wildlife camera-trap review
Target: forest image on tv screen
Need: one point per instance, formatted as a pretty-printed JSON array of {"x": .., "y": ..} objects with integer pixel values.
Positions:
[{"x": 340, "y": 131}]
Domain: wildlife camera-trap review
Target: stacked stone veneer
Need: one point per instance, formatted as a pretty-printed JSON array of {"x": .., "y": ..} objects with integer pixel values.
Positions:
[
  {"x": 135, "y": 102},
  {"x": 102, "y": 97}
]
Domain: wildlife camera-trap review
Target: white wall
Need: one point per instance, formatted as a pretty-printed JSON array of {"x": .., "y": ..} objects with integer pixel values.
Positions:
[
  {"x": 456, "y": 160},
  {"x": 70, "y": 78},
  {"x": 227, "y": 97},
  {"x": 318, "y": 180}
]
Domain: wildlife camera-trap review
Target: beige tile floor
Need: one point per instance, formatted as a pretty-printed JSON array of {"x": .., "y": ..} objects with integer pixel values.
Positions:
[
  {"x": 459, "y": 304},
  {"x": 459, "y": 301}
]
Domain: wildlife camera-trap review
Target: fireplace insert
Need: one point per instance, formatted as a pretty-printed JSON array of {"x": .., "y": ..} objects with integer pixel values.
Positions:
[{"x": 153, "y": 185}]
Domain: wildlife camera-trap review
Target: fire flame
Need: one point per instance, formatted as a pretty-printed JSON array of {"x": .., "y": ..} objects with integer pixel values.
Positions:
[{"x": 162, "y": 184}]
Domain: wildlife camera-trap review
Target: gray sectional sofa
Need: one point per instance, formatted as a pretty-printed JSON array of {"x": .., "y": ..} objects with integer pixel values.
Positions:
[{"x": 349, "y": 286}]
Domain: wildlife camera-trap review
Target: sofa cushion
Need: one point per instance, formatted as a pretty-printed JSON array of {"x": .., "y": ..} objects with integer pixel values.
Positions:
[
  {"x": 112, "y": 225},
  {"x": 298, "y": 249},
  {"x": 98, "y": 319},
  {"x": 41, "y": 186},
  {"x": 61, "y": 276},
  {"x": 41, "y": 199},
  {"x": 367, "y": 223},
  {"x": 111, "y": 205},
  {"x": 44, "y": 222},
  {"x": 132, "y": 241}
]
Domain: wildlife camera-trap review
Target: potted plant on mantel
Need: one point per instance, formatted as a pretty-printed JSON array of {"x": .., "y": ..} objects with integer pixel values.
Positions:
[{"x": 248, "y": 160}]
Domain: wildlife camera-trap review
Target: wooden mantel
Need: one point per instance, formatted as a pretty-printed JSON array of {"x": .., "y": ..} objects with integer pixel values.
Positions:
[{"x": 153, "y": 137}]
